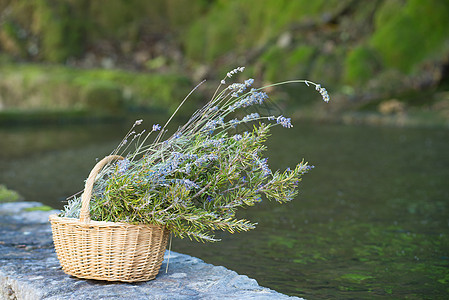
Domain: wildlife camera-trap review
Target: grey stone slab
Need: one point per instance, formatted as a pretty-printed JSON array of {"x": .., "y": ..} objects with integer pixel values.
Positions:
[{"x": 29, "y": 269}]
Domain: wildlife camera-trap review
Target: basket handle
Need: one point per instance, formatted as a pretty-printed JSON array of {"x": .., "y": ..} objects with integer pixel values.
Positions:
[{"x": 87, "y": 194}]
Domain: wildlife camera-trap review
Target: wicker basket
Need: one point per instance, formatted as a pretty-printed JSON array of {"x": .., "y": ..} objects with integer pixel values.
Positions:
[{"x": 107, "y": 250}]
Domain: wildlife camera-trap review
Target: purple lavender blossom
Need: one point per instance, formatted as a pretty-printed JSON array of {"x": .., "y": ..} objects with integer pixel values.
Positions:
[
  {"x": 253, "y": 98},
  {"x": 156, "y": 127},
  {"x": 230, "y": 73},
  {"x": 323, "y": 93},
  {"x": 234, "y": 122},
  {"x": 264, "y": 166},
  {"x": 237, "y": 137},
  {"x": 251, "y": 117},
  {"x": 189, "y": 184},
  {"x": 213, "y": 142},
  {"x": 249, "y": 82},
  {"x": 202, "y": 160},
  {"x": 210, "y": 125},
  {"x": 123, "y": 165},
  {"x": 213, "y": 109},
  {"x": 285, "y": 122}
]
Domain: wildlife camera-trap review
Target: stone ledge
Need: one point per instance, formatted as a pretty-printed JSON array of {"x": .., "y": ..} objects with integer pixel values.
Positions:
[{"x": 29, "y": 269}]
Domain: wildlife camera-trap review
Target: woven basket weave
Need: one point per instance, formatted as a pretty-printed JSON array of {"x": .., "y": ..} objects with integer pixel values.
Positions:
[{"x": 107, "y": 250}]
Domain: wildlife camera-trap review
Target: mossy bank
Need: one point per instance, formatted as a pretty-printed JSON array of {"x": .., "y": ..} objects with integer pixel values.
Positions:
[
  {"x": 55, "y": 92},
  {"x": 7, "y": 195}
]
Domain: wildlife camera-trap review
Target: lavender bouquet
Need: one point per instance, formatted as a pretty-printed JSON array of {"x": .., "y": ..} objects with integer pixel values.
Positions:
[{"x": 194, "y": 181}]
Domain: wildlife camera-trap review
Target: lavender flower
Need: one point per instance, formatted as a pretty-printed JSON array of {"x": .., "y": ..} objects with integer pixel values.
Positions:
[
  {"x": 203, "y": 160},
  {"x": 123, "y": 165},
  {"x": 213, "y": 109},
  {"x": 323, "y": 93},
  {"x": 172, "y": 181},
  {"x": 253, "y": 98},
  {"x": 237, "y": 88},
  {"x": 210, "y": 125},
  {"x": 264, "y": 166},
  {"x": 213, "y": 142},
  {"x": 189, "y": 184},
  {"x": 231, "y": 73},
  {"x": 237, "y": 137},
  {"x": 156, "y": 127},
  {"x": 306, "y": 168},
  {"x": 251, "y": 117},
  {"x": 220, "y": 121},
  {"x": 249, "y": 82},
  {"x": 187, "y": 168},
  {"x": 285, "y": 122},
  {"x": 238, "y": 69},
  {"x": 234, "y": 123}
]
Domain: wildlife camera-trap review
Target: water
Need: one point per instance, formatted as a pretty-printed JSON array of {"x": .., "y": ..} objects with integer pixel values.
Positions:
[{"x": 371, "y": 221}]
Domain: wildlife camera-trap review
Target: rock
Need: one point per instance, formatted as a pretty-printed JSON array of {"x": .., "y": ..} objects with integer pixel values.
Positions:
[{"x": 29, "y": 269}]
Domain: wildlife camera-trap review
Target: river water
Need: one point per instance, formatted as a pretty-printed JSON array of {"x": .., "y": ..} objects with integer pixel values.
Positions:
[{"x": 371, "y": 220}]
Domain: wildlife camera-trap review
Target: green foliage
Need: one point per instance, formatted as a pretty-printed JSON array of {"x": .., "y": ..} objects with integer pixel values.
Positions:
[
  {"x": 387, "y": 11},
  {"x": 203, "y": 198},
  {"x": 181, "y": 13},
  {"x": 207, "y": 41},
  {"x": 39, "y": 208},
  {"x": 62, "y": 26},
  {"x": 236, "y": 26},
  {"x": 51, "y": 30},
  {"x": 361, "y": 64},
  {"x": 7, "y": 195},
  {"x": 301, "y": 58},
  {"x": 103, "y": 97},
  {"x": 415, "y": 32},
  {"x": 35, "y": 87},
  {"x": 275, "y": 64},
  {"x": 287, "y": 63},
  {"x": 57, "y": 30},
  {"x": 11, "y": 38},
  {"x": 329, "y": 67},
  {"x": 383, "y": 35},
  {"x": 122, "y": 20},
  {"x": 155, "y": 90}
]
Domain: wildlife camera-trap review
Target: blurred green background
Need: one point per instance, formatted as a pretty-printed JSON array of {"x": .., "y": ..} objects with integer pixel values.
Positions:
[
  {"x": 383, "y": 61},
  {"x": 371, "y": 221}
]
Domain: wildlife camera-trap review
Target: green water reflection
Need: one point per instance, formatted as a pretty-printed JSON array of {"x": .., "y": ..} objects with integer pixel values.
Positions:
[{"x": 372, "y": 219}]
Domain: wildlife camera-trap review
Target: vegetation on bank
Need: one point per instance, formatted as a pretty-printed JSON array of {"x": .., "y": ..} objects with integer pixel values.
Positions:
[
  {"x": 54, "y": 92},
  {"x": 365, "y": 52},
  {"x": 39, "y": 208},
  {"x": 7, "y": 195},
  {"x": 36, "y": 93}
]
